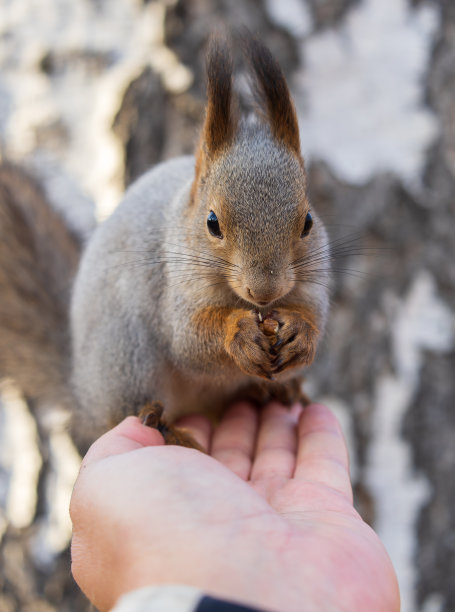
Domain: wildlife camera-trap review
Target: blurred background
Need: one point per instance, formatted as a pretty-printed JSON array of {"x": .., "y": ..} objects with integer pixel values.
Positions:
[{"x": 92, "y": 93}]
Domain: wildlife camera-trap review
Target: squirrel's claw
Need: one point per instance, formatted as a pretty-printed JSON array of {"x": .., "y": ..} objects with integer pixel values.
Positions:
[
  {"x": 247, "y": 345},
  {"x": 295, "y": 341},
  {"x": 151, "y": 415}
]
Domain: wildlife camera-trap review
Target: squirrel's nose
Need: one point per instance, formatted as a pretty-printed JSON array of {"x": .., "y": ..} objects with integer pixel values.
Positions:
[{"x": 260, "y": 299}]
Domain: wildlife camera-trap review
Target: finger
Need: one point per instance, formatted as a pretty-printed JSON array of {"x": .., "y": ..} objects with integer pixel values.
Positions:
[
  {"x": 322, "y": 455},
  {"x": 235, "y": 437},
  {"x": 277, "y": 442},
  {"x": 199, "y": 427},
  {"x": 127, "y": 436}
]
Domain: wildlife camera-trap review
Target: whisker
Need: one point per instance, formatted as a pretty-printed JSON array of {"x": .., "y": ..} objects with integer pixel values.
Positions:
[
  {"x": 207, "y": 255},
  {"x": 314, "y": 282},
  {"x": 175, "y": 260}
]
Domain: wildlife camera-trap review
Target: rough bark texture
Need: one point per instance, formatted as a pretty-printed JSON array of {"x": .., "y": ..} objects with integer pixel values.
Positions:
[{"x": 387, "y": 363}]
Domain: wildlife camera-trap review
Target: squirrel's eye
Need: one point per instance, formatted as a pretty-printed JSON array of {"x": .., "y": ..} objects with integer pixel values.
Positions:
[
  {"x": 308, "y": 225},
  {"x": 213, "y": 225}
]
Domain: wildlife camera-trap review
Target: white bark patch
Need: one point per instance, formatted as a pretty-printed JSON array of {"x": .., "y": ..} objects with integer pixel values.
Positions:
[
  {"x": 421, "y": 322},
  {"x": 363, "y": 88},
  {"x": 433, "y": 603},
  {"x": 292, "y": 15},
  {"x": 20, "y": 459},
  {"x": 54, "y": 532},
  {"x": 73, "y": 100},
  {"x": 20, "y": 466}
]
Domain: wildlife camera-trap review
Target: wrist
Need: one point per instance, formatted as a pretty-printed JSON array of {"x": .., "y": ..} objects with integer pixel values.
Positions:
[{"x": 253, "y": 567}]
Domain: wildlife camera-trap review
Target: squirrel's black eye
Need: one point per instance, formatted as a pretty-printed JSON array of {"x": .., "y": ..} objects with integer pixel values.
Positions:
[
  {"x": 308, "y": 225},
  {"x": 213, "y": 225}
]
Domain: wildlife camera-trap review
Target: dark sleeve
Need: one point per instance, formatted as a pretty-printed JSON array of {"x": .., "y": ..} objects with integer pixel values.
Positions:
[
  {"x": 178, "y": 598},
  {"x": 209, "y": 604}
]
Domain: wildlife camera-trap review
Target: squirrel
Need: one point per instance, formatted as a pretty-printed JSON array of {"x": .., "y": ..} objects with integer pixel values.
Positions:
[{"x": 208, "y": 283}]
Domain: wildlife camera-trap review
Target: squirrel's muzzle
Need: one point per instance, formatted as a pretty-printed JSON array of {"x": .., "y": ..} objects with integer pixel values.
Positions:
[
  {"x": 262, "y": 298},
  {"x": 265, "y": 287}
]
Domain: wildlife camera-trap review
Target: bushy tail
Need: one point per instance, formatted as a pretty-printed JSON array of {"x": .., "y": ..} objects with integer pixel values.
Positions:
[{"x": 39, "y": 256}]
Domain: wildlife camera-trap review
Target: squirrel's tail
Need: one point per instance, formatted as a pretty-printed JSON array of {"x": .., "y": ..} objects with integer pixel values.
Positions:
[{"x": 39, "y": 256}]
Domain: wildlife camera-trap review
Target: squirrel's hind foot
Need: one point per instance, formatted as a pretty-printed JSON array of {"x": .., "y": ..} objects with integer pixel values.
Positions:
[{"x": 151, "y": 415}]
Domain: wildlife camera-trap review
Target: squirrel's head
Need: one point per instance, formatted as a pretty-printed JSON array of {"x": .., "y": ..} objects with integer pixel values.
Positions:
[{"x": 249, "y": 191}]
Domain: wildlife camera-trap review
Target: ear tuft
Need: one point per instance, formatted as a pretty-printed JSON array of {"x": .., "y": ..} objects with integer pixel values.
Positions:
[
  {"x": 270, "y": 87},
  {"x": 220, "y": 121}
]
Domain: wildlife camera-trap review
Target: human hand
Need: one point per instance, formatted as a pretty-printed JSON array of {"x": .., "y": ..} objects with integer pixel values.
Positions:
[{"x": 274, "y": 527}]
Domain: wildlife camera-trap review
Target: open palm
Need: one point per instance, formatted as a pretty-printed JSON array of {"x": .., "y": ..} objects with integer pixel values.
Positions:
[{"x": 265, "y": 518}]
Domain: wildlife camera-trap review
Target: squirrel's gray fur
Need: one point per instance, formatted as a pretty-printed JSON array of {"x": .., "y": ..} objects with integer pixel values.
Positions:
[{"x": 152, "y": 265}]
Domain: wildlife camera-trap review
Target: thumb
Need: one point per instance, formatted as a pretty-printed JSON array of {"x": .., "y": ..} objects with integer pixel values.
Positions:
[{"x": 127, "y": 436}]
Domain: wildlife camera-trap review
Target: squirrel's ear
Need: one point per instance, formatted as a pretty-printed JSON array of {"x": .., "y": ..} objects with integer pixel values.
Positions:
[
  {"x": 220, "y": 120},
  {"x": 270, "y": 87}
]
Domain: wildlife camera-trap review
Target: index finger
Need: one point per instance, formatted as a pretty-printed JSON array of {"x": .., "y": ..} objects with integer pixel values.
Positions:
[
  {"x": 322, "y": 455},
  {"x": 127, "y": 436}
]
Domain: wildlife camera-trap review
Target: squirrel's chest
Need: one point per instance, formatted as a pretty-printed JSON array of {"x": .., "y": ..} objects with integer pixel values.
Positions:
[{"x": 185, "y": 393}]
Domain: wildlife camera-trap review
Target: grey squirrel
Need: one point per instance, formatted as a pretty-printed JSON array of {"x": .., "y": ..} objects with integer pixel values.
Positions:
[{"x": 208, "y": 283}]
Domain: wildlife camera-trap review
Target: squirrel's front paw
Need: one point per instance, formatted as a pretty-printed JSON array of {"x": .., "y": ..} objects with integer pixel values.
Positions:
[
  {"x": 247, "y": 344},
  {"x": 295, "y": 342},
  {"x": 151, "y": 415}
]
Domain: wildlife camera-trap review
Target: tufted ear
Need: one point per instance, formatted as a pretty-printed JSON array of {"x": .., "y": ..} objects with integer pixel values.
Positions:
[
  {"x": 220, "y": 120},
  {"x": 272, "y": 92}
]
